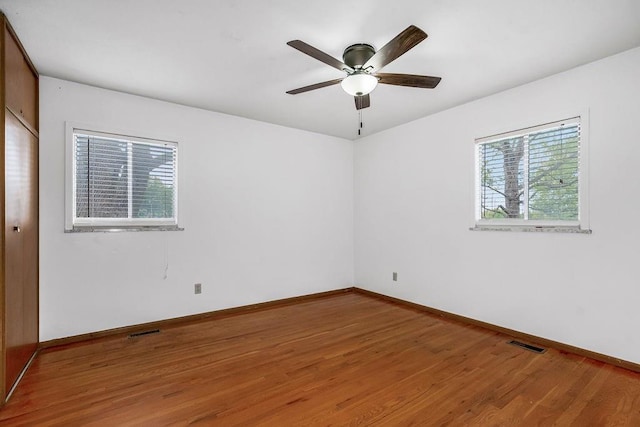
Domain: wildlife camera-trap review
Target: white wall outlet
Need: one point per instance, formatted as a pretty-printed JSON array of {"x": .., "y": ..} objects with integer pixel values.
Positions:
[
  {"x": 395, "y": 276},
  {"x": 197, "y": 288}
]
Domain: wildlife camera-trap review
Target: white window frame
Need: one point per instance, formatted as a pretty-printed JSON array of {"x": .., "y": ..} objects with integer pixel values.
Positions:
[
  {"x": 581, "y": 225},
  {"x": 72, "y": 223}
]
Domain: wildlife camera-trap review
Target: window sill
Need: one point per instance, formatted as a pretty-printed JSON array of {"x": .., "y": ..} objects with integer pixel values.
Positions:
[
  {"x": 117, "y": 229},
  {"x": 532, "y": 229}
]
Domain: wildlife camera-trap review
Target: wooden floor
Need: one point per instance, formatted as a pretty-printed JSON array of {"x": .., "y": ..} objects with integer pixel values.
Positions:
[{"x": 343, "y": 360}]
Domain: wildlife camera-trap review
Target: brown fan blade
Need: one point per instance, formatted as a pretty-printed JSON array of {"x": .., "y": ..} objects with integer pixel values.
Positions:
[
  {"x": 402, "y": 43},
  {"x": 411, "y": 80},
  {"x": 319, "y": 55},
  {"x": 362, "y": 101},
  {"x": 312, "y": 87}
]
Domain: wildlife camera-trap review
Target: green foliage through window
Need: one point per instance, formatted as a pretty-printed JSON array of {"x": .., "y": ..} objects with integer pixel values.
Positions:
[
  {"x": 123, "y": 179},
  {"x": 531, "y": 176}
]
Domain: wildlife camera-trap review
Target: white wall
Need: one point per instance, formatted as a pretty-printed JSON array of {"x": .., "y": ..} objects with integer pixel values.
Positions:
[
  {"x": 267, "y": 212},
  {"x": 414, "y": 205}
]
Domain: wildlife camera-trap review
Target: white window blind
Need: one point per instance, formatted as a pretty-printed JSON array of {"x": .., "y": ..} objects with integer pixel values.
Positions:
[
  {"x": 530, "y": 176},
  {"x": 123, "y": 181}
]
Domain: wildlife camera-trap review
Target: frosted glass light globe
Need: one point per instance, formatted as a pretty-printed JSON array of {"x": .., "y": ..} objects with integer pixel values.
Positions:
[{"x": 359, "y": 84}]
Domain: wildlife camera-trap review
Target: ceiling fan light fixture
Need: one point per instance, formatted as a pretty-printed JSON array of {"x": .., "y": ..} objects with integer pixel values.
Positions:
[{"x": 359, "y": 84}]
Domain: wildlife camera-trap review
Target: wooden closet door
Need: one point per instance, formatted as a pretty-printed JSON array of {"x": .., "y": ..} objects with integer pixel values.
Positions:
[
  {"x": 21, "y": 247},
  {"x": 21, "y": 82}
]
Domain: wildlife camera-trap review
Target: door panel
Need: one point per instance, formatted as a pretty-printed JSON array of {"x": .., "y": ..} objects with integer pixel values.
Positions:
[
  {"x": 21, "y": 247},
  {"x": 30, "y": 261},
  {"x": 21, "y": 83}
]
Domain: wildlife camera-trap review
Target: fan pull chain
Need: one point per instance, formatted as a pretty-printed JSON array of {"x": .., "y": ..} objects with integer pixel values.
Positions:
[{"x": 359, "y": 120}]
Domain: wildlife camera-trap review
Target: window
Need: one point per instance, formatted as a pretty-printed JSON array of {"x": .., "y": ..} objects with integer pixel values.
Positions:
[
  {"x": 531, "y": 178},
  {"x": 122, "y": 182}
]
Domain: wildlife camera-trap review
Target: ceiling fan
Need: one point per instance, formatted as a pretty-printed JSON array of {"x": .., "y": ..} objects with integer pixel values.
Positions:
[{"x": 362, "y": 64}]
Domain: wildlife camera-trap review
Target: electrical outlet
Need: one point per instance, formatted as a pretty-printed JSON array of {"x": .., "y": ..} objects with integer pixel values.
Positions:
[
  {"x": 395, "y": 276},
  {"x": 197, "y": 288}
]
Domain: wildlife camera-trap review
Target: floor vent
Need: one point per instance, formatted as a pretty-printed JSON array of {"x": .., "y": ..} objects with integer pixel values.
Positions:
[
  {"x": 528, "y": 346},
  {"x": 139, "y": 334}
]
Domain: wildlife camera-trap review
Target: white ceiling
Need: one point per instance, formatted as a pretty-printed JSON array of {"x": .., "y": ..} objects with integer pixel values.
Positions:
[{"x": 231, "y": 56}]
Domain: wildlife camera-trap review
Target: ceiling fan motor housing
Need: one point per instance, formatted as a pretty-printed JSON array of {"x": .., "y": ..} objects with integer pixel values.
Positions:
[{"x": 356, "y": 55}]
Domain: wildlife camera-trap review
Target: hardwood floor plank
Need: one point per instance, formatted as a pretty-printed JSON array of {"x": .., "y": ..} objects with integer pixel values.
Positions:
[{"x": 347, "y": 359}]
